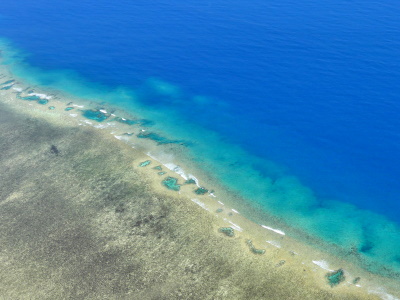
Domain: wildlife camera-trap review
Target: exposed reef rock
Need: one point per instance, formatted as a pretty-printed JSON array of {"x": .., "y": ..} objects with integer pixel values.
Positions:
[
  {"x": 171, "y": 183},
  {"x": 200, "y": 191},
  {"x": 254, "y": 249},
  {"x": 335, "y": 277},
  {"x": 228, "y": 231}
]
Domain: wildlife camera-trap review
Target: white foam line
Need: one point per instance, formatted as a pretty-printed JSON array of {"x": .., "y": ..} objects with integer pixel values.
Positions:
[
  {"x": 103, "y": 111},
  {"x": 382, "y": 294},
  {"x": 194, "y": 178},
  {"x": 274, "y": 230},
  {"x": 169, "y": 166},
  {"x": 101, "y": 126},
  {"x": 220, "y": 203},
  {"x": 17, "y": 89},
  {"x": 79, "y": 106},
  {"x": 43, "y": 96},
  {"x": 322, "y": 264},
  {"x": 235, "y": 226},
  {"x": 73, "y": 115},
  {"x": 88, "y": 122},
  {"x": 235, "y": 211},
  {"x": 175, "y": 168},
  {"x": 274, "y": 243},
  {"x": 178, "y": 170},
  {"x": 201, "y": 204},
  {"x": 118, "y": 137}
]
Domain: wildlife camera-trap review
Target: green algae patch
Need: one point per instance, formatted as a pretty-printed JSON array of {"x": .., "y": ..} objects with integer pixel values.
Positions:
[
  {"x": 190, "y": 181},
  {"x": 228, "y": 231},
  {"x": 43, "y": 101},
  {"x": 254, "y": 249},
  {"x": 200, "y": 191},
  {"x": 69, "y": 108},
  {"x": 95, "y": 114},
  {"x": 162, "y": 173},
  {"x": 145, "y": 163},
  {"x": 335, "y": 277},
  {"x": 219, "y": 210},
  {"x": 171, "y": 183},
  {"x": 158, "y": 168}
]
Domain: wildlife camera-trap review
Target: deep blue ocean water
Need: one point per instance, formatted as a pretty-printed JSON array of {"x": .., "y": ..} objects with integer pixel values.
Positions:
[{"x": 311, "y": 85}]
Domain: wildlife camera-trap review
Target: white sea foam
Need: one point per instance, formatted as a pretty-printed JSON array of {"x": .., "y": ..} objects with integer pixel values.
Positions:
[
  {"x": 103, "y": 111},
  {"x": 221, "y": 203},
  {"x": 382, "y": 294},
  {"x": 274, "y": 230},
  {"x": 235, "y": 226},
  {"x": 79, "y": 106},
  {"x": 178, "y": 170},
  {"x": 73, "y": 115},
  {"x": 100, "y": 126},
  {"x": 274, "y": 243},
  {"x": 201, "y": 204},
  {"x": 322, "y": 264},
  {"x": 17, "y": 89},
  {"x": 194, "y": 178},
  {"x": 235, "y": 211},
  {"x": 42, "y": 96}
]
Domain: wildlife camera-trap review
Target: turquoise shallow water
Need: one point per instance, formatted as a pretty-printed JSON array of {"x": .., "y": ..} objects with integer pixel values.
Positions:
[
  {"x": 292, "y": 105},
  {"x": 362, "y": 236}
]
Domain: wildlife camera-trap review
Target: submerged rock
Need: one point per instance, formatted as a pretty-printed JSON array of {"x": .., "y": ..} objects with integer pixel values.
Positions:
[
  {"x": 54, "y": 150},
  {"x": 158, "y": 138},
  {"x": 200, "y": 191},
  {"x": 161, "y": 173},
  {"x": 95, "y": 114},
  {"x": 51, "y": 107},
  {"x": 356, "y": 280},
  {"x": 158, "y": 168},
  {"x": 8, "y": 81},
  {"x": 171, "y": 183},
  {"x": 30, "y": 98},
  {"x": 254, "y": 249},
  {"x": 335, "y": 277},
  {"x": 190, "y": 181},
  {"x": 125, "y": 121},
  {"x": 219, "y": 210},
  {"x": 228, "y": 231},
  {"x": 69, "y": 108},
  {"x": 145, "y": 163},
  {"x": 43, "y": 101}
]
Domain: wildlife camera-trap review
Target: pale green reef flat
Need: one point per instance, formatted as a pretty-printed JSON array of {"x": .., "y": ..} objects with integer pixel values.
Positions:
[{"x": 76, "y": 222}]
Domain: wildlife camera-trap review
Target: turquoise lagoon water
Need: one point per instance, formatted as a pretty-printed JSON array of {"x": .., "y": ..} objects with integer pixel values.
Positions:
[{"x": 292, "y": 105}]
